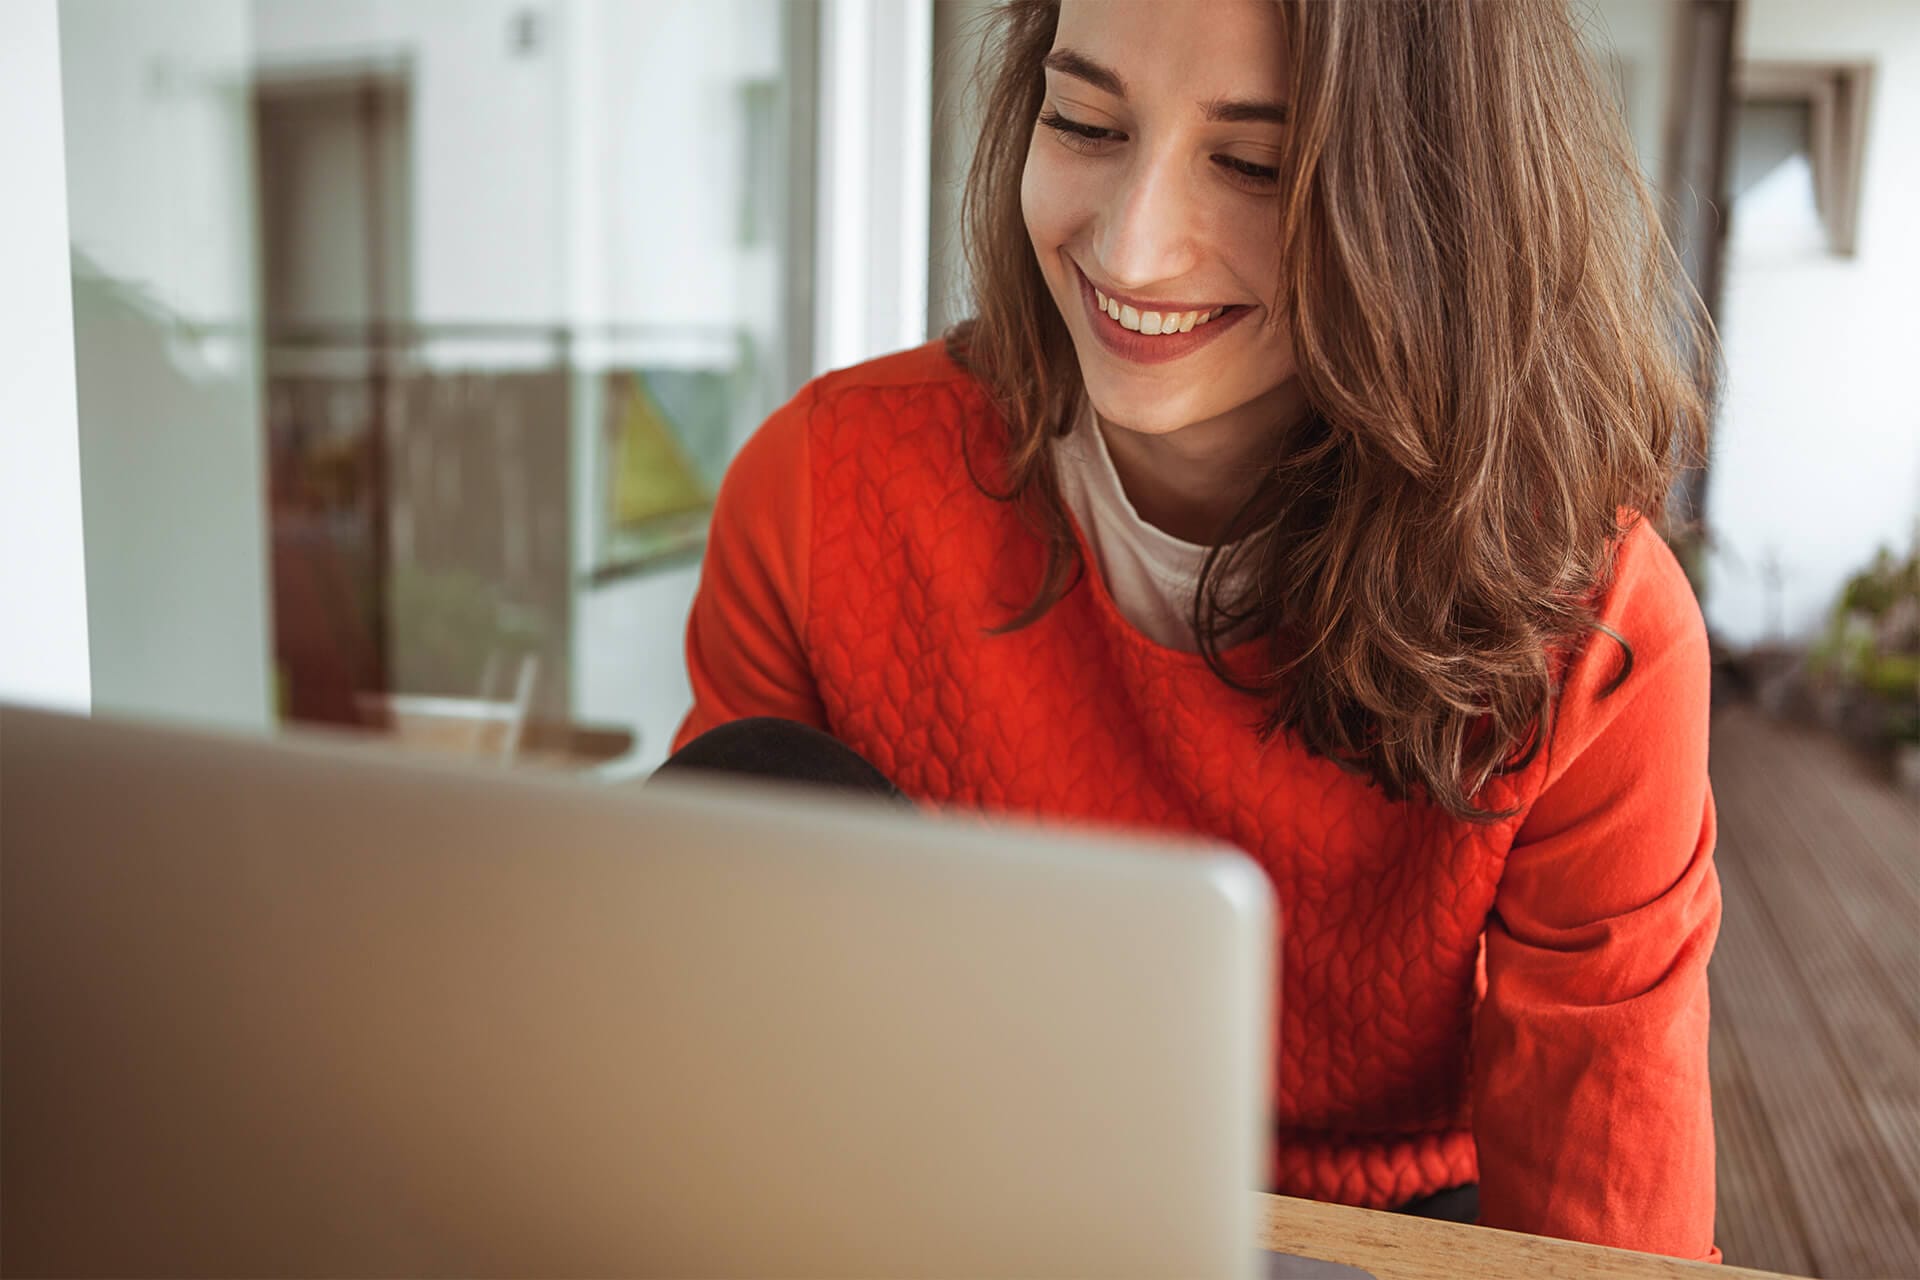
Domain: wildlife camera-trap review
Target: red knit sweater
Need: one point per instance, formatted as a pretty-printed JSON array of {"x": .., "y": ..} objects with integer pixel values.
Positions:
[{"x": 853, "y": 572}]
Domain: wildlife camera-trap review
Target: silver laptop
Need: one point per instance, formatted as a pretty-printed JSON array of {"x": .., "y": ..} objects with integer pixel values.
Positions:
[{"x": 299, "y": 1008}]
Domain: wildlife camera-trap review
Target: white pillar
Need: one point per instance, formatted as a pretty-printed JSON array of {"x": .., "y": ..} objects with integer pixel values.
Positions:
[
  {"x": 876, "y": 109},
  {"x": 43, "y": 578}
]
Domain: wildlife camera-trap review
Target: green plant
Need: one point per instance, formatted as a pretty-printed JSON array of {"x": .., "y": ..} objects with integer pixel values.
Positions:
[{"x": 1871, "y": 645}]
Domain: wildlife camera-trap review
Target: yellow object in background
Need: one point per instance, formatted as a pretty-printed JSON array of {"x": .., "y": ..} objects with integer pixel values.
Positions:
[{"x": 651, "y": 474}]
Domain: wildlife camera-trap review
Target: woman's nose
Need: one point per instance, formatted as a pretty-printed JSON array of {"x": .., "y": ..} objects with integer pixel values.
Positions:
[{"x": 1150, "y": 225}]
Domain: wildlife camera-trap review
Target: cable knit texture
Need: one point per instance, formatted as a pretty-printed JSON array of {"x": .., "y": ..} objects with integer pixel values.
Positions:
[{"x": 853, "y": 573}]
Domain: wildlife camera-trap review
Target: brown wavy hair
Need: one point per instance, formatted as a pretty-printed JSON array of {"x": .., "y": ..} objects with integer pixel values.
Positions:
[{"x": 1503, "y": 361}]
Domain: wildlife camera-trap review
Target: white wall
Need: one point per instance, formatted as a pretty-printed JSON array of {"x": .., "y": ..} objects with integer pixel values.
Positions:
[
  {"x": 1632, "y": 41},
  {"x": 1817, "y": 459},
  {"x": 632, "y": 667},
  {"x": 159, "y": 174},
  {"x": 43, "y": 583},
  {"x": 486, "y": 142},
  {"x": 516, "y": 219},
  {"x": 676, "y": 159}
]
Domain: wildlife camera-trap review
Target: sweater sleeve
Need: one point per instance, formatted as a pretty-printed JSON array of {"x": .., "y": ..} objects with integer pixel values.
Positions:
[
  {"x": 1592, "y": 1113},
  {"x": 746, "y": 654}
]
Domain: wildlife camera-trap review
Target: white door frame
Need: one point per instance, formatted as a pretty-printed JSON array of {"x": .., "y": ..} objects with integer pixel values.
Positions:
[
  {"x": 875, "y": 175},
  {"x": 43, "y": 563}
]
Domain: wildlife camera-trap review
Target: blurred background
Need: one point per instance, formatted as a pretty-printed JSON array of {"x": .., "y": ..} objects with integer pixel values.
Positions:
[{"x": 410, "y": 340}]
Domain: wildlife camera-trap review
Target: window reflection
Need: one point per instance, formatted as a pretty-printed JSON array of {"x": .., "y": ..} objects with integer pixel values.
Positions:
[{"x": 448, "y": 318}]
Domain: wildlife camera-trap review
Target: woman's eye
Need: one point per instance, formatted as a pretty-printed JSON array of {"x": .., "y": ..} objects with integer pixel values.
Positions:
[
  {"x": 1257, "y": 174},
  {"x": 1085, "y": 137},
  {"x": 1075, "y": 133}
]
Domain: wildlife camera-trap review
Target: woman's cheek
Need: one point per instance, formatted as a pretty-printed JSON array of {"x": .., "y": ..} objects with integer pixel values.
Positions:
[
  {"x": 1043, "y": 194},
  {"x": 1030, "y": 202}
]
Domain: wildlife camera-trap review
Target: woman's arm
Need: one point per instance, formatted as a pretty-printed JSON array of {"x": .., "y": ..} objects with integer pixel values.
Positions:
[
  {"x": 745, "y": 637},
  {"x": 1592, "y": 1111}
]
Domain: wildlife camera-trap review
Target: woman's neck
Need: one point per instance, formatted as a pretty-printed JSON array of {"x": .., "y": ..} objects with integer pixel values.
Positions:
[{"x": 1188, "y": 483}]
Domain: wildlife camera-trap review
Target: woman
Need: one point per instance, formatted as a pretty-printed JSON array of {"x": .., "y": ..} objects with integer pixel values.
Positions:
[{"x": 1292, "y": 485}]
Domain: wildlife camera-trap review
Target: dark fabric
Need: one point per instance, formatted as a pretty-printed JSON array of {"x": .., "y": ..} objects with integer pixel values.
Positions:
[
  {"x": 764, "y": 747},
  {"x": 1455, "y": 1204}
]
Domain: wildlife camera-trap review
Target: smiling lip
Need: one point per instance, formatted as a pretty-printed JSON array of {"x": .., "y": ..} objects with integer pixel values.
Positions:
[{"x": 1149, "y": 349}]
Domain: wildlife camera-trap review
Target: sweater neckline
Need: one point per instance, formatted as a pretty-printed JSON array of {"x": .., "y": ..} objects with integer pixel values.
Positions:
[
  {"x": 1233, "y": 658},
  {"x": 1094, "y": 454}
]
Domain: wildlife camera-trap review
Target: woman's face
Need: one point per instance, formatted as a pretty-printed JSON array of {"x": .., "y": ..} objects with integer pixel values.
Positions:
[{"x": 1151, "y": 179}]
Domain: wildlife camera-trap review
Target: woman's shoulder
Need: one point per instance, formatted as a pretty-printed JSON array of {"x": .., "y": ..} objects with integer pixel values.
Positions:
[
  {"x": 917, "y": 395},
  {"x": 901, "y": 390},
  {"x": 919, "y": 399},
  {"x": 889, "y": 387},
  {"x": 1648, "y": 599},
  {"x": 1651, "y": 642},
  {"x": 906, "y": 413}
]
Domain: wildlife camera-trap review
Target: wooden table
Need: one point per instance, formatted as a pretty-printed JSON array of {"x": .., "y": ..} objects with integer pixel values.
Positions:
[{"x": 1396, "y": 1247}]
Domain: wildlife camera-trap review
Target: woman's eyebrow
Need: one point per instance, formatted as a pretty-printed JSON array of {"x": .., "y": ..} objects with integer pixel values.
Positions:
[
  {"x": 1081, "y": 67},
  {"x": 1244, "y": 111},
  {"x": 1218, "y": 111}
]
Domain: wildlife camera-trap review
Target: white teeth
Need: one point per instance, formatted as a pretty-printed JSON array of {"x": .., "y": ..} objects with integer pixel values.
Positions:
[{"x": 1152, "y": 322}]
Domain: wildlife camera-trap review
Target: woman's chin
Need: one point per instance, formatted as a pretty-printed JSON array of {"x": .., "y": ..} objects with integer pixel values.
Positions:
[{"x": 1138, "y": 410}]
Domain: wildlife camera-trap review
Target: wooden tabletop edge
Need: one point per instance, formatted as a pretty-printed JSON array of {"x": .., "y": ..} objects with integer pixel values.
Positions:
[{"x": 1398, "y": 1247}]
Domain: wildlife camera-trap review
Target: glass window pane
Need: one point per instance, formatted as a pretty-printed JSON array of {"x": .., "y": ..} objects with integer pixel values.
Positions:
[{"x": 414, "y": 337}]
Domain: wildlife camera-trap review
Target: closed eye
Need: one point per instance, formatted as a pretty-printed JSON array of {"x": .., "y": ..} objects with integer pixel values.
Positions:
[
  {"x": 1246, "y": 168},
  {"x": 1074, "y": 129},
  {"x": 1088, "y": 137}
]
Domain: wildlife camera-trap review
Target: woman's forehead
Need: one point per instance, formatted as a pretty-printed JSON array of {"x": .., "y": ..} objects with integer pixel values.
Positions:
[{"x": 1202, "y": 49}]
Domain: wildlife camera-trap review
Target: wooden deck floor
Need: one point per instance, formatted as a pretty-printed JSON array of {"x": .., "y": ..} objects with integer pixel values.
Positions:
[{"x": 1816, "y": 1006}]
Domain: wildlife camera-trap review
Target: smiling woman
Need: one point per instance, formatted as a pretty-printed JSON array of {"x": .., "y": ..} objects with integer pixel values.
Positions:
[
  {"x": 1295, "y": 483},
  {"x": 1166, "y": 175}
]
